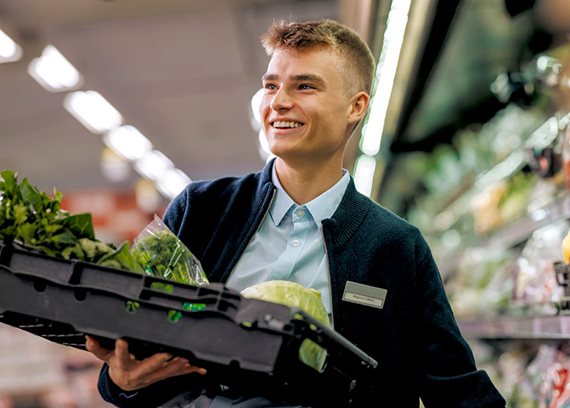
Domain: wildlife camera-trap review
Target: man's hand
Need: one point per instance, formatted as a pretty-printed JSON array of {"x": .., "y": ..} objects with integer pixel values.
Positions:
[{"x": 130, "y": 374}]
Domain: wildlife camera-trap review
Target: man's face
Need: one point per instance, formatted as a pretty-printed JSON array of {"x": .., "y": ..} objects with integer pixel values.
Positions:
[{"x": 305, "y": 108}]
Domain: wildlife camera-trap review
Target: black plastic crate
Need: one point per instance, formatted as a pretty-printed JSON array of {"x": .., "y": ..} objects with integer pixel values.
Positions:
[{"x": 239, "y": 341}]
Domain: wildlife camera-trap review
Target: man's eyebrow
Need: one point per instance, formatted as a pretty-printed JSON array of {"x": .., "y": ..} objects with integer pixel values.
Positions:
[
  {"x": 310, "y": 78},
  {"x": 269, "y": 77},
  {"x": 298, "y": 78}
]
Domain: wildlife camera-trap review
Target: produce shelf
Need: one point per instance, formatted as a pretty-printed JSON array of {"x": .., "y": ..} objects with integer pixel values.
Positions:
[
  {"x": 519, "y": 231},
  {"x": 538, "y": 327},
  {"x": 241, "y": 342},
  {"x": 514, "y": 233}
]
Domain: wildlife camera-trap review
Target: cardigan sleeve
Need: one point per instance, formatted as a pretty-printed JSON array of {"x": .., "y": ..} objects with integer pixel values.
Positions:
[
  {"x": 449, "y": 376},
  {"x": 175, "y": 211},
  {"x": 151, "y": 396}
]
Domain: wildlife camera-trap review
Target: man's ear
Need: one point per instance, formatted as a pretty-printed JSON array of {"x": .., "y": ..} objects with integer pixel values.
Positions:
[{"x": 358, "y": 106}]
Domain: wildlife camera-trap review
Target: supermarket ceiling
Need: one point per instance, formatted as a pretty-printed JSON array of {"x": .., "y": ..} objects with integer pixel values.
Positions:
[{"x": 181, "y": 71}]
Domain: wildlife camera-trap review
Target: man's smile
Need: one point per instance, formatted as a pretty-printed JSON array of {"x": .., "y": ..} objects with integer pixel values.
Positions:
[{"x": 286, "y": 124}]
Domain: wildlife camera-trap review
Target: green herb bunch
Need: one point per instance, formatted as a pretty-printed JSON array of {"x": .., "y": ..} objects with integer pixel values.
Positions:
[
  {"x": 163, "y": 255},
  {"x": 33, "y": 219}
]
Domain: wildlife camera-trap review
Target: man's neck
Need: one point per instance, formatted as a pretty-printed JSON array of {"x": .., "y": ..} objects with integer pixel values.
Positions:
[{"x": 305, "y": 183}]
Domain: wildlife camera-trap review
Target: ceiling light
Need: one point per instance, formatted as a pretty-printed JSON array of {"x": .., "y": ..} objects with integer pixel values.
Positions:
[
  {"x": 153, "y": 165},
  {"x": 9, "y": 50},
  {"x": 385, "y": 74},
  {"x": 53, "y": 71},
  {"x": 255, "y": 109},
  {"x": 113, "y": 166},
  {"x": 172, "y": 183},
  {"x": 93, "y": 111},
  {"x": 364, "y": 174},
  {"x": 128, "y": 141}
]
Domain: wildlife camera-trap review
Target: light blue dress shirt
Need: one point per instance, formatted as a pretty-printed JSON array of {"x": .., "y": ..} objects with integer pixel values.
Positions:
[{"x": 289, "y": 243}]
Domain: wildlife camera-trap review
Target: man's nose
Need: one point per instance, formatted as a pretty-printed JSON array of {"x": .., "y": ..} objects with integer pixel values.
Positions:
[{"x": 281, "y": 100}]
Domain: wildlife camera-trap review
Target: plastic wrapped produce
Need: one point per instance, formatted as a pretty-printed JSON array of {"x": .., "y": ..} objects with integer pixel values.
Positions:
[{"x": 162, "y": 254}]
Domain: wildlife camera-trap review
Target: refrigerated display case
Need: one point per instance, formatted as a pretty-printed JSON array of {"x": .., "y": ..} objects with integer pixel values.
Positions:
[{"x": 477, "y": 159}]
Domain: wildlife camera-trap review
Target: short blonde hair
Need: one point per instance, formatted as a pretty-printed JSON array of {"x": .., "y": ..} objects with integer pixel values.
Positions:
[{"x": 325, "y": 33}]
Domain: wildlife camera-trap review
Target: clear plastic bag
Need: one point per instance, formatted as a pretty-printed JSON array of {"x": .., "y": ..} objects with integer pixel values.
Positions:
[{"x": 163, "y": 255}]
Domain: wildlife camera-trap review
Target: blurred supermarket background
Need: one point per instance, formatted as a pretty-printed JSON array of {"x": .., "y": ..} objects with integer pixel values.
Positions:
[{"x": 467, "y": 137}]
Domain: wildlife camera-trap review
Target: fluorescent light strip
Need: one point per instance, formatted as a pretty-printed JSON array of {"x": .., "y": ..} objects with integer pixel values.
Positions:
[
  {"x": 364, "y": 174},
  {"x": 154, "y": 165},
  {"x": 385, "y": 74},
  {"x": 9, "y": 50},
  {"x": 173, "y": 182},
  {"x": 93, "y": 111},
  {"x": 128, "y": 142},
  {"x": 54, "y": 72}
]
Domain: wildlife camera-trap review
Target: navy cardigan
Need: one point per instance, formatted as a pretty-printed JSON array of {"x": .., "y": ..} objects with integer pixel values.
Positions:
[{"x": 414, "y": 337}]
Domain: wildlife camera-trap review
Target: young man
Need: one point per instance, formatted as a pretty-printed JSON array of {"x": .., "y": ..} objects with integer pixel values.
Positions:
[{"x": 302, "y": 219}]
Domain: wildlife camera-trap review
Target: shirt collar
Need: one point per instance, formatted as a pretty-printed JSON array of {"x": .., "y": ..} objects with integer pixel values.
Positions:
[
  {"x": 321, "y": 207},
  {"x": 324, "y": 206},
  {"x": 282, "y": 201}
]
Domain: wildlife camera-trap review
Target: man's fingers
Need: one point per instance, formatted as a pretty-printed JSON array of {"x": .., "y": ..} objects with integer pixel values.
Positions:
[
  {"x": 122, "y": 350},
  {"x": 180, "y": 366},
  {"x": 130, "y": 374},
  {"x": 174, "y": 367},
  {"x": 163, "y": 365},
  {"x": 93, "y": 346},
  {"x": 199, "y": 370},
  {"x": 121, "y": 346},
  {"x": 153, "y": 364}
]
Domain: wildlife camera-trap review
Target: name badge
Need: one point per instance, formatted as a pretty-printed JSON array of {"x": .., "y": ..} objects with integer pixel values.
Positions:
[{"x": 364, "y": 294}]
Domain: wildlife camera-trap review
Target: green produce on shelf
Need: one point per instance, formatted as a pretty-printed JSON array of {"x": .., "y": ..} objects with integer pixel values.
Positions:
[
  {"x": 515, "y": 201},
  {"x": 502, "y": 202},
  {"x": 479, "y": 156},
  {"x": 483, "y": 282}
]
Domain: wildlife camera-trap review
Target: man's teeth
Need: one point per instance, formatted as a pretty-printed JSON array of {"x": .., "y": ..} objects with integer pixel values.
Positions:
[{"x": 283, "y": 124}]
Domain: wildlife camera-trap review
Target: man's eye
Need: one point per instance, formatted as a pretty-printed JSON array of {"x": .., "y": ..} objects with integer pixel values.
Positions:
[
  {"x": 270, "y": 86},
  {"x": 306, "y": 86}
]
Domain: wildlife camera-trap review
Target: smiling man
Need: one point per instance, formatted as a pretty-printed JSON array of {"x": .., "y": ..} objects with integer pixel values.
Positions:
[
  {"x": 301, "y": 219},
  {"x": 308, "y": 115}
]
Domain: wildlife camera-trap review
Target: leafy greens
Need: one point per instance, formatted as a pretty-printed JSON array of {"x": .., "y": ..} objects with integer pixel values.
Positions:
[{"x": 33, "y": 219}]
